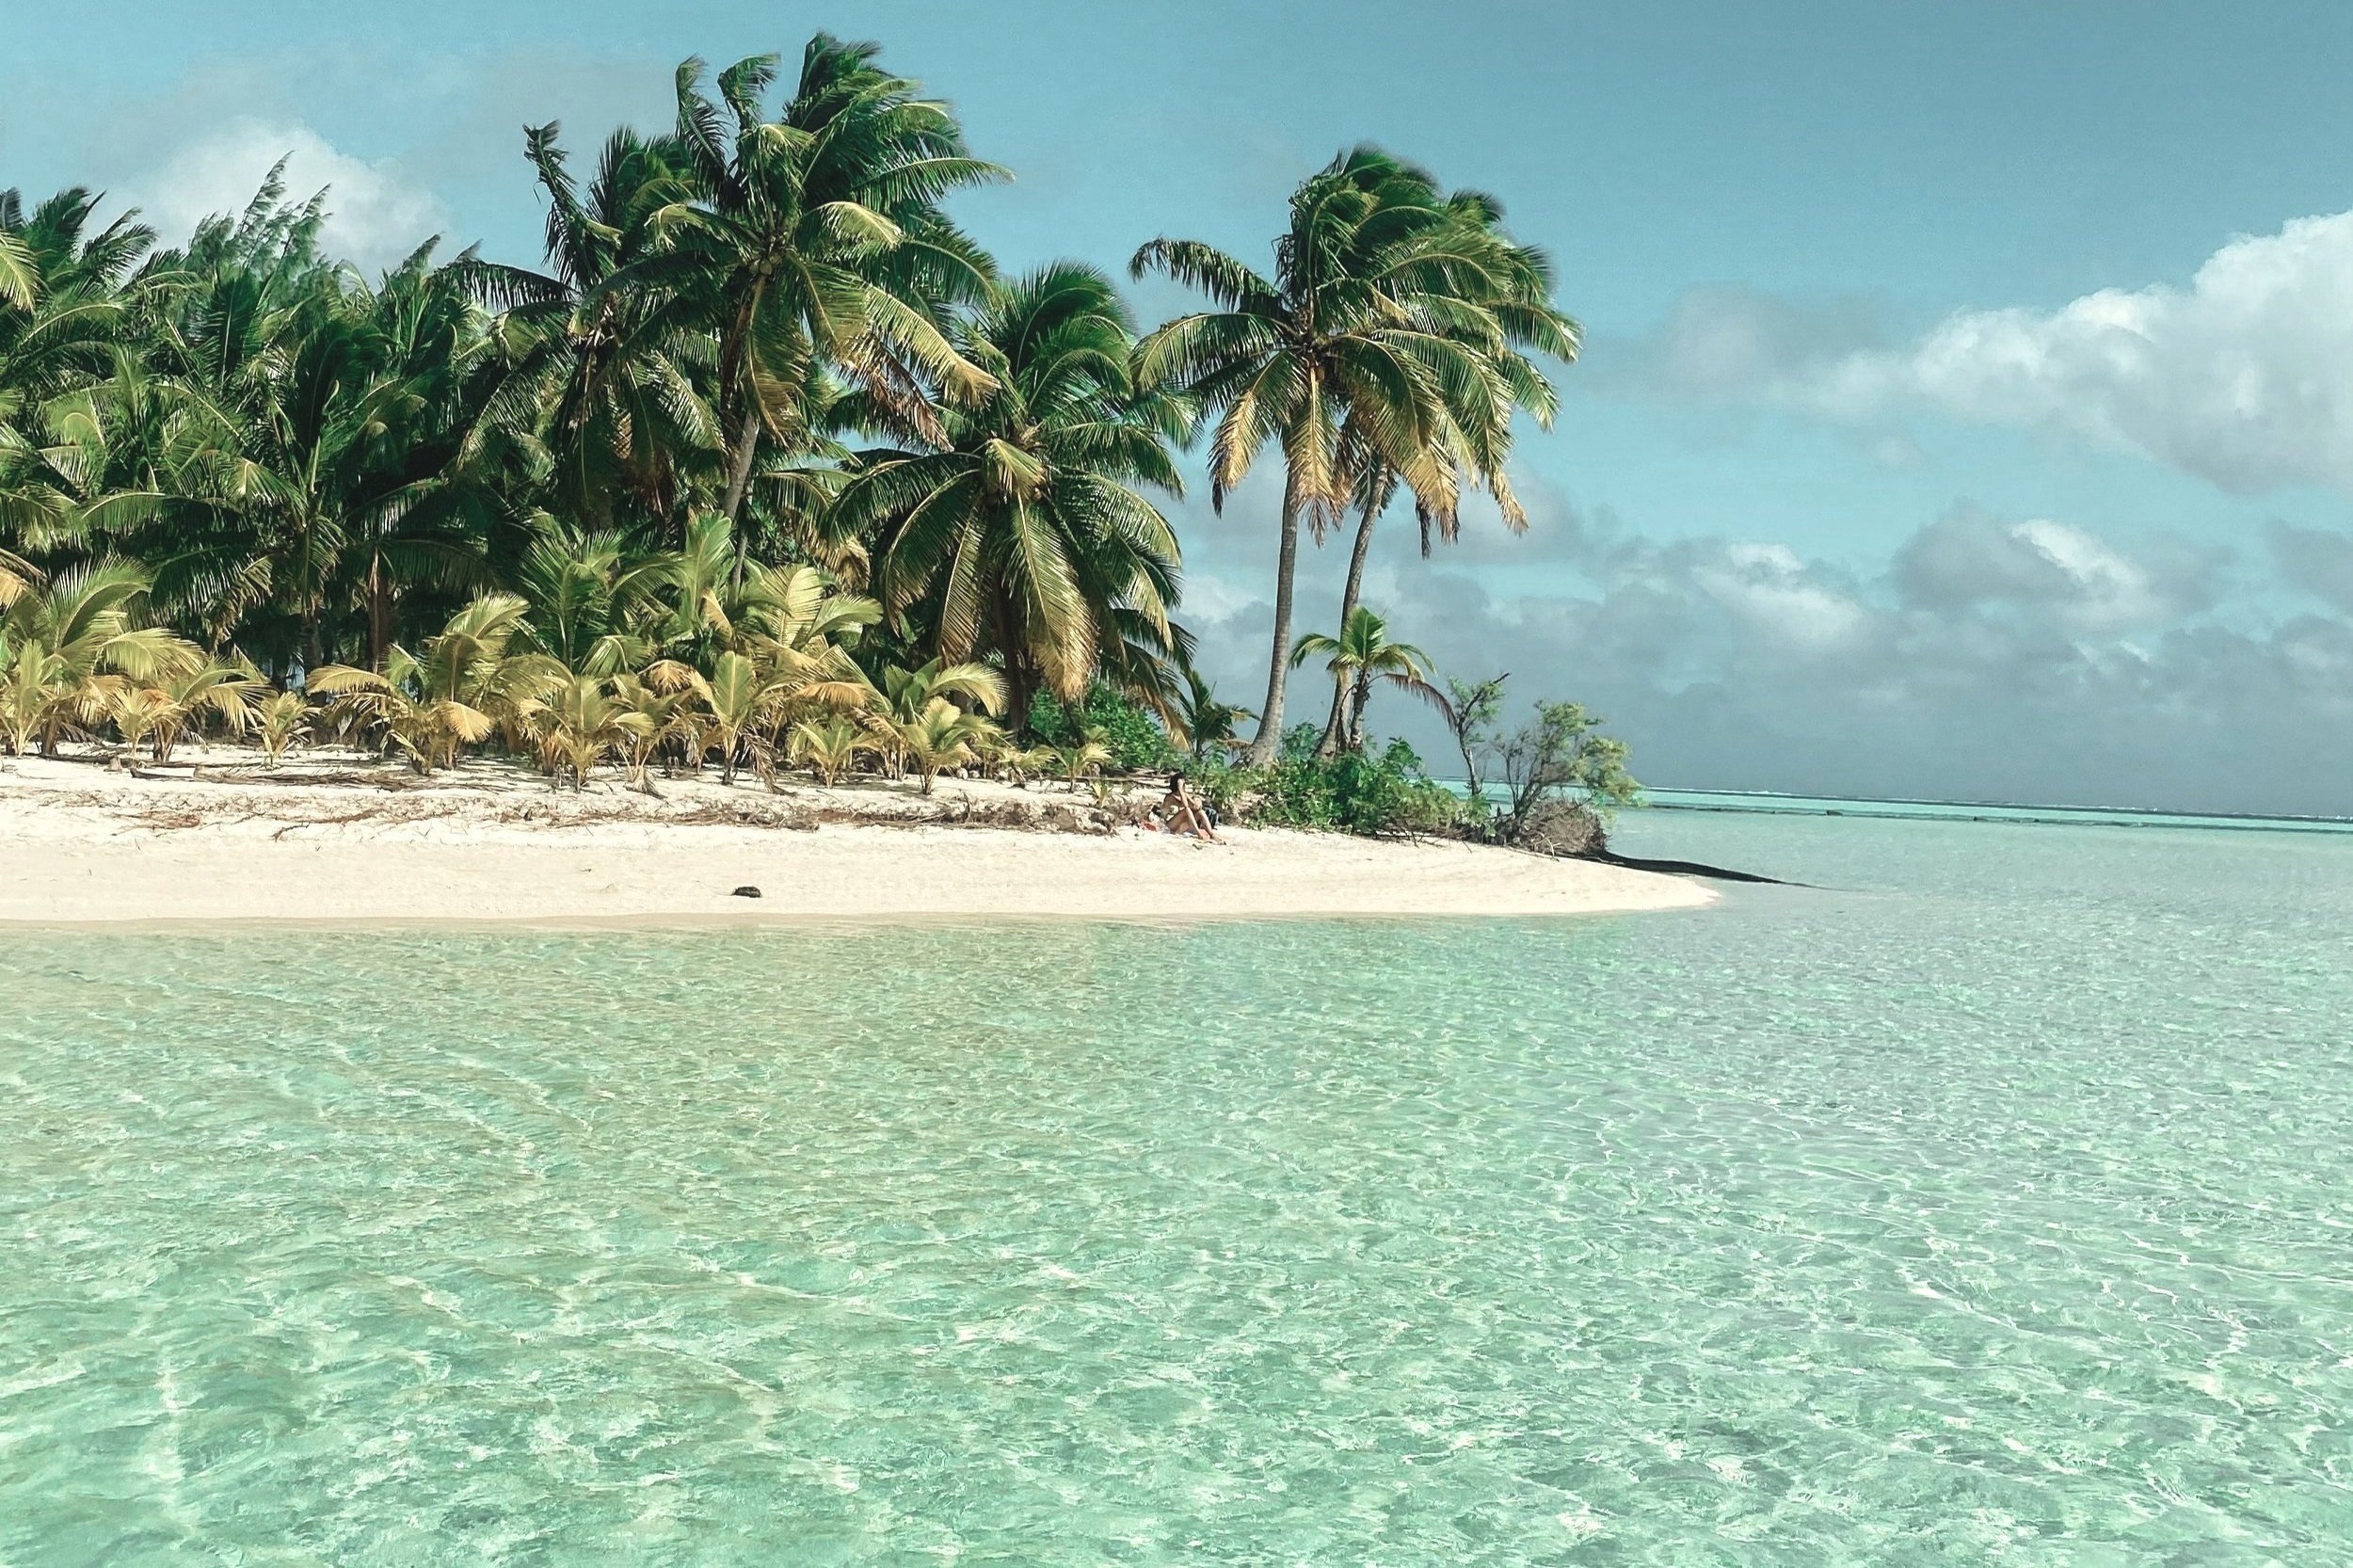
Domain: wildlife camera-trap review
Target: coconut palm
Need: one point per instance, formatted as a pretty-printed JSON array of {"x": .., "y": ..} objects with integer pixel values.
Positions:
[
  {"x": 1022, "y": 532},
  {"x": 308, "y": 424},
  {"x": 1081, "y": 757},
  {"x": 596, "y": 605},
  {"x": 907, "y": 692},
  {"x": 468, "y": 682},
  {"x": 1361, "y": 653},
  {"x": 790, "y": 616},
  {"x": 69, "y": 649},
  {"x": 941, "y": 736},
  {"x": 1355, "y": 331},
  {"x": 579, "y": 722},
  {"x": 741, "y": 705},
  {"x": 1206, "y": 722},
  {"x": 159, "y": 711},
  {"x": 655, "y": 720},
  {"x": 280, "y": 720},
  {"x": 829, "y": 746},
  {"x": 601, "y": 393},
  {"x": 1514, "y": 319},
  {"x": 817, "y": 239}
]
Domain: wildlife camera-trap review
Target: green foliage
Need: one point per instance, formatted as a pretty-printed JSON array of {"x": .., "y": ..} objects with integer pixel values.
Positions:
[
  {"x": 758, "y": 364},
  {"x": 1134, "y": 738},
  {"x": 1562, "y": 755},
  {"x": 1355, "y": 791}
]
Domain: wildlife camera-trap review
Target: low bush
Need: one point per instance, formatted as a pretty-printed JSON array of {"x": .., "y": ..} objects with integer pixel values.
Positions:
[
  {"x": 1385, "y": 791},
  {"x": 1134, "y": 738}
]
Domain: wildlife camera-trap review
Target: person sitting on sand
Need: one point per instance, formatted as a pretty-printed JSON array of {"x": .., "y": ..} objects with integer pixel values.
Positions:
[{"x": 1185, "y": 813}]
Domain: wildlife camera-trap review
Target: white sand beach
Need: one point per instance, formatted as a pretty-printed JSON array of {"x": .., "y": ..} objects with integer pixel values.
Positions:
[{"x": 336, "y": 836}]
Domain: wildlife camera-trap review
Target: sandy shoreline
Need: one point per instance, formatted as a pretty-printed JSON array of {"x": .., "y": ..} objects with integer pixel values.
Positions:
[{"x": 81, "y": 845}]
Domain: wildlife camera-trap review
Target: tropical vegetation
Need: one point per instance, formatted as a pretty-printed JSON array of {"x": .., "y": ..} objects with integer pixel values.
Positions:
[{"x": 763, "y": 463}]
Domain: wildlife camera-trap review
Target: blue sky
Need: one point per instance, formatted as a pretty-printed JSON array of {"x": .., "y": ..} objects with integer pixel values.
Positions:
[{"x": 1864, "y": 483}]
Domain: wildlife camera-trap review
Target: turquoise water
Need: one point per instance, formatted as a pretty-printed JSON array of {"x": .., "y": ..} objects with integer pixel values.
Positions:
[
  {"x": 1990, "y": 1207},
  {"x": 2088, "y": 816}
]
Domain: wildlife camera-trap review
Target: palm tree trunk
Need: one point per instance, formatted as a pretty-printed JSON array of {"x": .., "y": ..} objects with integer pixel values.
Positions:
[
  {"x": 379, "y": 614},
  {"x": 1268, "y": 743},
  {"x": 1333, "y": 728},
  {"x": 740, "y": 470}
]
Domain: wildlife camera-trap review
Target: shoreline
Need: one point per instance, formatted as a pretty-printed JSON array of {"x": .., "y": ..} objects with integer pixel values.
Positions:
[{"x": 340, "y": 841}]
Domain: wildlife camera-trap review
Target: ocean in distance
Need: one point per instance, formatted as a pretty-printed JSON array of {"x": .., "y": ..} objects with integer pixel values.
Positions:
[{"x": 1985, "y": 1201}]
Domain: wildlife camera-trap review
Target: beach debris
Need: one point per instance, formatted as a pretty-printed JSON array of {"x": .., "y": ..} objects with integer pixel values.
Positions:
[{"x": 747, "y": 891}]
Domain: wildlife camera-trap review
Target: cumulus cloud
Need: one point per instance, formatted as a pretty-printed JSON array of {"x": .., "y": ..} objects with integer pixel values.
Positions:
[
  {"x": 1969, "y": 560},
  {"x": 1988, "y": 658},
  {"x": 2244, "y": 377},
  {"x": 375, "y": 213}
]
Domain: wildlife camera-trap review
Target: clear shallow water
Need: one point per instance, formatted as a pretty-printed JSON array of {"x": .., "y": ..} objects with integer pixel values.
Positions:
[{"x": 1990, "y": 1208}]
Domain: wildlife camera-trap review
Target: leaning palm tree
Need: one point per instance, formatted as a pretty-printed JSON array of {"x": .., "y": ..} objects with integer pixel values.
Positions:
[
  {"x": 1361, "y": 653},
  {"x": 1208, "y": 723},
  {"x": 1514, "y": 318},
  {"x": 1024, "y": 532},
  {"x": 1350, "y": 333}
]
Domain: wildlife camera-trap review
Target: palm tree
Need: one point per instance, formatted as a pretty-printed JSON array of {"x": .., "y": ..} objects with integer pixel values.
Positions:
[
  {"x": 69, "y": 649},
  {"x": 160, "y": 710},
  {"x": 66, "y": 308},
  {"x": 595, "y": 603},
  {"x": 1362, "y": 651},
  {"x": 465, "y": 685},
  {"x": 789, "y": 616},
  {"x": 305, "y": 434},
  {"x": 941, "y": 736},
  {"x": 1514, "y": 317},
  {"x": 1347, "y": 335},
  {"x": 600, "y": 397},
  {"x": 1081, "y": 757},
  {"x": 280, "y": 720},
  {"x": 818, "y": 239},
  {"x": 655, "y": 719},
  {"x": 1208, "y": 723},
  {"x": 908, "y": 692},
  {"x": 829, "y": 746},
  {"x": 579, "y": 722},
  {"x": 741, "y": 704},
  {"x": 1021, "y": 532}
]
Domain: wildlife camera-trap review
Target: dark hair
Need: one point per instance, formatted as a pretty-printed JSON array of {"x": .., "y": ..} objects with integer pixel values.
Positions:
[{"x": 1176, "y": 781}]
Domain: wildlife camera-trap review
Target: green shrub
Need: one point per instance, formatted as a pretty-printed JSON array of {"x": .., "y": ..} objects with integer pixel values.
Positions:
[
  {"x": 1371, "y": 793},
  {"x": 1135, "y": 739}
]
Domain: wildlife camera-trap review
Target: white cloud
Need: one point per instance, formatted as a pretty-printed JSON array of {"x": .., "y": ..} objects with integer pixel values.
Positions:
[
  {"x": 1988, "y": 658},
  {"x": 377, "y": 215},
  {"x": 1769, "y": 587},
  {"x": 2245, "y": 378},
  {"x": 1966, "y": 560}
]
